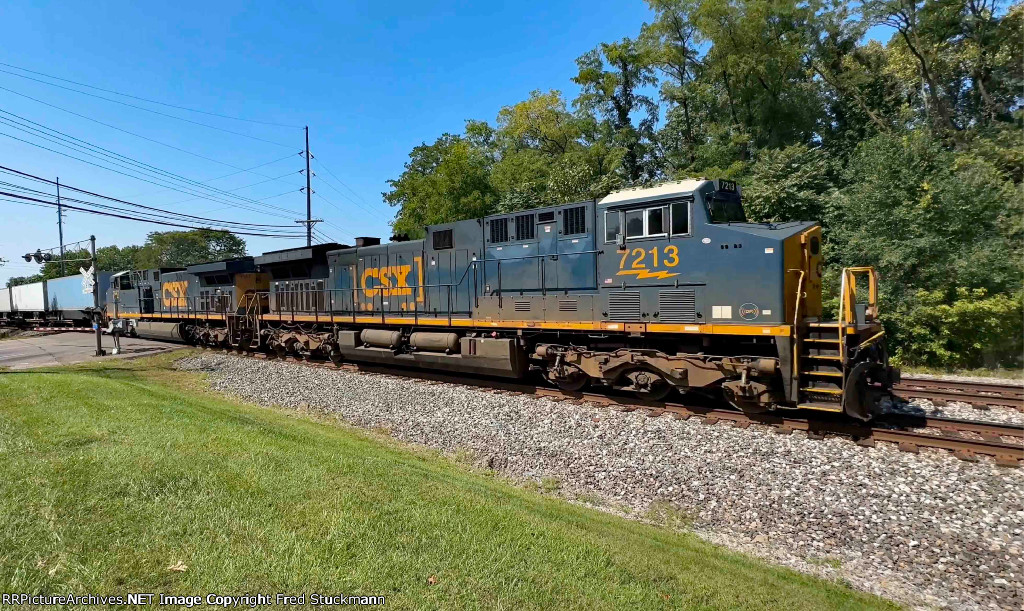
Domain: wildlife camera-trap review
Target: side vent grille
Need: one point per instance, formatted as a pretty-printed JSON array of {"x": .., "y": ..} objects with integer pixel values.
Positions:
[
  {"x": 575, "y": 220},
  {"x": 624, "y": 306},
  {"x": 677, "y": 306},
  {"x": 442, "y": 239},
  {"x": 567, "y": 305},
  {"x": 524, "y": 227},
  {"x": 499, "y": 231},
  {"x": 546, "y": 217},
  {"x": 521, "y": 306}
]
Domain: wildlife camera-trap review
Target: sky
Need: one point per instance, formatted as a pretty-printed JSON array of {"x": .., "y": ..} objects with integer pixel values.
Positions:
[{"x": 371, "y": 80}]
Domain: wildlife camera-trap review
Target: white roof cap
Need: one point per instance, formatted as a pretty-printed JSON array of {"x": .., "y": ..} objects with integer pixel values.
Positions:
[{"x": 677, "y": 187}]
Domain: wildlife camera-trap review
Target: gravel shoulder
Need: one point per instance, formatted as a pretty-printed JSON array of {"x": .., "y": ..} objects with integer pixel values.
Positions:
[{"x": 925, "y": 529}]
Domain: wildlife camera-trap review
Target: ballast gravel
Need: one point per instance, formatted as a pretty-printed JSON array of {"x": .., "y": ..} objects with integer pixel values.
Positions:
[{"x": 927, "y": 529}]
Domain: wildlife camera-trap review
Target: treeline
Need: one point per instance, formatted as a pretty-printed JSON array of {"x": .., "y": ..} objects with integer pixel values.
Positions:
[
  {"x": 162, "y": 249},
  {"x": 909, "y": 151}
]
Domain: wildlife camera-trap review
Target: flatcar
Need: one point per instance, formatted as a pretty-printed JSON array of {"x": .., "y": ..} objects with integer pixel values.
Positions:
[{"x": 650, "y": 290}]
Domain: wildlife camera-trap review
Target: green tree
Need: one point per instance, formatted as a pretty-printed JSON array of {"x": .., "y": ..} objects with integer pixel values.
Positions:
[
  {"x": 788, "y": 184},
  {"x": 442, "y": 182},
  {"x": 612, "y": 78},
  {"x": 182, "y": 248}
]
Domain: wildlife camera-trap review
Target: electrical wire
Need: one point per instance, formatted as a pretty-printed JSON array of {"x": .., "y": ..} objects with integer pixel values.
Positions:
[
  {"x": 112, "y": 156},
  {"x": 114, "y": 127},
  {"x": 159, "y": 184},
  {"x": 332, "y": 174},
  {"x": 135, "y": 97},
  {"x": 157, "y": 112},
  {"x": 133, "y": 204},
  {"x": 131, "y": 218}
]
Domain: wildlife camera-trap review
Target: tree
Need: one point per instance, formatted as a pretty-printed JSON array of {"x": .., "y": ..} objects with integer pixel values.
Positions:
[
  {"x": 182, "y": 248},
  {"x": 109, "y": 258},
  {"x": 613, "y": 92},
  {"x": 789, "y": 184},
  {"x": 442, "y": 182}
]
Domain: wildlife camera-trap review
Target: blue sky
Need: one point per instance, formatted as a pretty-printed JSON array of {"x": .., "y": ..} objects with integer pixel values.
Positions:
[{"x": 371, "y": 80}]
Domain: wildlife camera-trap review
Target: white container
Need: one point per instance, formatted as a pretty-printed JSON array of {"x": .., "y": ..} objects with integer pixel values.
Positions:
[
  {"x": 5, "y": 300},
  {"x": 29, "y": 297}
]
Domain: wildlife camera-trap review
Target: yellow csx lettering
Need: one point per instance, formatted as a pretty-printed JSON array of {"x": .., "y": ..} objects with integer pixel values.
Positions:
[
  {"x": 175, "y": 294},
  {"x": 391, "y": 281}
]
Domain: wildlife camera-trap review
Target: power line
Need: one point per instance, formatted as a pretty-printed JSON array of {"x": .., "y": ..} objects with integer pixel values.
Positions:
[
  {"x": 343, "y": 183},
  {"x": 119, "y": 159},
  {"x": 157, "y": 112},
  {"x": 340, "y": 192},
  {"x": 135, "y": 97},
  {"x": 130, "y": 133},
  {"x": 159, "y": 184},
  {"x": 133, "y": 218},
  {"x": 141, "y": 206}
]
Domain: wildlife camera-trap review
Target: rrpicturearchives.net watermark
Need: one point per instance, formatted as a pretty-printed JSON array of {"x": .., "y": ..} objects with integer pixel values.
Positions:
[{"x": 224, "y": 601}]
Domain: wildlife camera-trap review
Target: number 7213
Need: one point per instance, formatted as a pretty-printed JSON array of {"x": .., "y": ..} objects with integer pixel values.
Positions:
[{"x": 669, "y": 257}]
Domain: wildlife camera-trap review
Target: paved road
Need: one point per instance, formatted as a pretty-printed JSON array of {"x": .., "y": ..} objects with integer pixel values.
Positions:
[{"x": 70, "y": 347}]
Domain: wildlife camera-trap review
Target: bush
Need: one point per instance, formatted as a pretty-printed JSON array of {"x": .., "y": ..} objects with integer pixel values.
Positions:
[{"x": 973, "y": 329}]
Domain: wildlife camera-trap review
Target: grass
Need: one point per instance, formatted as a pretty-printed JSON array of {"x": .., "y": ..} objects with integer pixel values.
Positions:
[
  {"x": 112, "y": 473},
  {"x": 1006, "y": 374}
]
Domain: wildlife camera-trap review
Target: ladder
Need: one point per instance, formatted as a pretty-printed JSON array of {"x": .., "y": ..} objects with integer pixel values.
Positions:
[{"x": 822, "y": 365}]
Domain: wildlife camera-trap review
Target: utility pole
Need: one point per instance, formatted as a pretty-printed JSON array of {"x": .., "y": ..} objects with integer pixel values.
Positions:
[
  {"x": 97, "y": 316},
  {"x": 60, "y": 229},
  {"x": 309, "y": 197}
]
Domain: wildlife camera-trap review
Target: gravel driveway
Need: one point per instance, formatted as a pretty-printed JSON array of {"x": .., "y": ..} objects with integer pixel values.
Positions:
[{"x": 924, "y": 529}]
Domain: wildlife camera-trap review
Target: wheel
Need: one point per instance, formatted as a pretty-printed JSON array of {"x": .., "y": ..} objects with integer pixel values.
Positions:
[
  {"x": 648, "y": 385},
  {"x": 575, "y": 382}
]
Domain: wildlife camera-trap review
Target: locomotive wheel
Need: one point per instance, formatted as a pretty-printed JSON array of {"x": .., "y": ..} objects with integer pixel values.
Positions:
[
  {"x": 574, "y": 383},
  {"x": 648, "y": 386}
]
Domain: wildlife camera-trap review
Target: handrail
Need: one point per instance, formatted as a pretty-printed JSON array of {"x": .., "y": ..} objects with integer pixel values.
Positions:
[{"x": 796, "y": 322}]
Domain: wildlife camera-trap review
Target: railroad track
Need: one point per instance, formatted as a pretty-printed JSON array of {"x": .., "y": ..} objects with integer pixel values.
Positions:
[
  {"x": 967, "y": 439},
  {"x": 978, "y": 394}
]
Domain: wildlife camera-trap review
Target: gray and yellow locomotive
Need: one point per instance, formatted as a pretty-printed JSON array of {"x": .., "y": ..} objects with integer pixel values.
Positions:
[{"x": 649, "y": 290}]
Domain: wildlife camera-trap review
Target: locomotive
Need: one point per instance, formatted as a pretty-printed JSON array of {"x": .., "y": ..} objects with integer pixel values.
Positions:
[{"x": 649, "y": 290}]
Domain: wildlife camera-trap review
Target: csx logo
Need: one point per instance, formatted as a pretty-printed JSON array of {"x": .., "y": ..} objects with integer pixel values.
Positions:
[
  {"x": 391, "y": 281},
  {"x": 174, "y": 294}
]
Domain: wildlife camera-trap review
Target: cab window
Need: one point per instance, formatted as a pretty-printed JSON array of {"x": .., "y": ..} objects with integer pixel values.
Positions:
[
  {"x": 646, "y": 222},
  {"x": 681, "y": 217},
  {"x": 612, "y": 225}
]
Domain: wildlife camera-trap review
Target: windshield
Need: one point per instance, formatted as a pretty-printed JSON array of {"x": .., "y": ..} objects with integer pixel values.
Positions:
[{"x": 722, "y": 210}]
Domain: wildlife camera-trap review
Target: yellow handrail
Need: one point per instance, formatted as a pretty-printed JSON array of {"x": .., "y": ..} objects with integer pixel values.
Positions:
[{"x": 796, "y": 322}]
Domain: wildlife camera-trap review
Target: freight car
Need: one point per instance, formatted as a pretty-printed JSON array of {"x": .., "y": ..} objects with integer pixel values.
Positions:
[
  {"x": 57, "y": 301},
  {"x": 650, "y": 290}
]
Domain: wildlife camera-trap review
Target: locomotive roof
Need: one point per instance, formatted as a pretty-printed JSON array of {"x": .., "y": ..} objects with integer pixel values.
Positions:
[
  {"x": 236, "y": 265},
  {"x": 678, "y": 187},
  {"x": 316, "y": 251}
]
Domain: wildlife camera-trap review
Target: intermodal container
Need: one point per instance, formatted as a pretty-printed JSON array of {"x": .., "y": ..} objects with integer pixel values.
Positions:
[
  {"x": 5, "y": 300},
  {"x": 66, "y": 293},
  {"x": 29, "y": 297}
]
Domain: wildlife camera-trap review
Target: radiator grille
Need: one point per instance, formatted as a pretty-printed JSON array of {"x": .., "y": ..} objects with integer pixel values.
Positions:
[
  {"x": 546, "y": 217},
  {"x": 567, "y": 305},
  {"x": 677, "y": 306},
  {"x": 521, "y": 306},
  {"x": 499, "y": 231},
  {"x": 575, "y": 220},
  {"x": 624, "y": 306},
  {"x": 524, "y": 227}
]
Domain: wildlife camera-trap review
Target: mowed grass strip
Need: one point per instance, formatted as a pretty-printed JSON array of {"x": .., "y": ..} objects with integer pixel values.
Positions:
[{"x": 112, "y": 473}]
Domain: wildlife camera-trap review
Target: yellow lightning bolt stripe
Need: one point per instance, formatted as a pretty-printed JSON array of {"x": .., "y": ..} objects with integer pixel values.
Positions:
[{"x": 642, "y": 274}]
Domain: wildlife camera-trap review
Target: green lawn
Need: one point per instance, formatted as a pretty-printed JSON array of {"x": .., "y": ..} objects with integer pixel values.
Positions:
[{"x": 110, "y": 474}]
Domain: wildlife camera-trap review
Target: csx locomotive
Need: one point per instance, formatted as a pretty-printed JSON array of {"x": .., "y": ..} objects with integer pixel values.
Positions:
[{"x": 649, "y": 290}]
